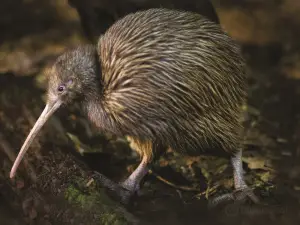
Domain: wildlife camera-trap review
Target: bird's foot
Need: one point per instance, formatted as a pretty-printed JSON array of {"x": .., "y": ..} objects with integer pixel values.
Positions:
[
  {"x": 238, "y": 195},
  {"x": 122, "y": 191}
]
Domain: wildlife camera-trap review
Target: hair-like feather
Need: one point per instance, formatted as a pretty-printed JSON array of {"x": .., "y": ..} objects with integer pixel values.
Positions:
[
  {"x": 173, "y": 77},
  {"x": 162, "y": 77}
]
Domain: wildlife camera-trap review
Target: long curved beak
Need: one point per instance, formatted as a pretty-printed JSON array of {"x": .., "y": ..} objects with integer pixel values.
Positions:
[{"x": 50, "y": 108}]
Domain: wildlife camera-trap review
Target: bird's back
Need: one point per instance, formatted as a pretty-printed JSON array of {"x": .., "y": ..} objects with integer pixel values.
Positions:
[{"x": 165, "y": 71}]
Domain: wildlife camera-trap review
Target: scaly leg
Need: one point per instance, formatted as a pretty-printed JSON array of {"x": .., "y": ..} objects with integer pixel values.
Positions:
[
  {"x": 125, "y": 190},
  {"x": 242, "y": 191},
  {"x": 132, "y": 183}
]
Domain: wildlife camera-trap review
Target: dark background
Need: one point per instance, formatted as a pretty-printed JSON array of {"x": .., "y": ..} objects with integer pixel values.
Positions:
[{"x": 35, "y": 32}]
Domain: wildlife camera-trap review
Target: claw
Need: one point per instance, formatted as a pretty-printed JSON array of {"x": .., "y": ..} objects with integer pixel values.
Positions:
[
  {"x": 238, "y": 195},
  {"x": 123, "y": 194},
  {"x": 242, "y": 193}
]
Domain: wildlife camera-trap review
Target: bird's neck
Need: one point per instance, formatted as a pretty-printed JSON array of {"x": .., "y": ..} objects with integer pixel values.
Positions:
[
  {"x": 91, "y": 75},
  {"x": 99, "y": 116},
  {"x": 93, "y": 99},
  {"x": 94, "y": 111}
]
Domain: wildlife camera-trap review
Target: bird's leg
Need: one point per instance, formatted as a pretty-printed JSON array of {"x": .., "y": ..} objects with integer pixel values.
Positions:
[
  {"x": 242, "y": 191},
  {"x": 146, "y": 150},
  {"x": 132, "y": 183},
  {"x": 238, "y": 176},
  {"x": 126, "y": 189},
  {"x": 241, "y": 188}
]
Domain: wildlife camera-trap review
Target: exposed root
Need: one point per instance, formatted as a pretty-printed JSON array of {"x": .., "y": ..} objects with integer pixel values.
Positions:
[{"x": 179, "y": 187}]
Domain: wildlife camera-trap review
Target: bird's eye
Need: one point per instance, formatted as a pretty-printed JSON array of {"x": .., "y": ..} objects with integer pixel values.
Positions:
[{"x": 61, "y": 88}]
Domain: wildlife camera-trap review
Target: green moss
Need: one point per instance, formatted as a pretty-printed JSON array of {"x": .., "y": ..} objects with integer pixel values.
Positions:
[
  {"x": 96, "y": 202},
  {"x": 73, "y": 195}
]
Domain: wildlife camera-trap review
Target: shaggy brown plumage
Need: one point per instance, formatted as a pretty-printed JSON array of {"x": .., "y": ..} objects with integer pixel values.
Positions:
[{"x": 162, "y": 77}]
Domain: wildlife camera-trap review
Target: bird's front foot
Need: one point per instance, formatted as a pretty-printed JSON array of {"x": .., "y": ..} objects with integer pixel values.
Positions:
[
  {"x": 127, "y": 189},
  {"x": 238, "y": 195},
  {"x": 120, "y": 191}
]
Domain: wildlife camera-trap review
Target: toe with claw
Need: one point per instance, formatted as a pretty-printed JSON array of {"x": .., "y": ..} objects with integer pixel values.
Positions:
[{"x": 238, "y": 195}]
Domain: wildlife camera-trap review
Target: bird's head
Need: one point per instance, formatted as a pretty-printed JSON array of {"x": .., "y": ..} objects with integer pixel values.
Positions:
[{"x": 74, "y": 76}]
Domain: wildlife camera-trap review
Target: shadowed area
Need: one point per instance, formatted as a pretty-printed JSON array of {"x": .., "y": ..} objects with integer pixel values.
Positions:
[{"x": 68, "y": 148}]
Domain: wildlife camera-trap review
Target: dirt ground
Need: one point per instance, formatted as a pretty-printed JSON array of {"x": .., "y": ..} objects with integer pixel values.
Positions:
[{"x": 35, "y": 32}]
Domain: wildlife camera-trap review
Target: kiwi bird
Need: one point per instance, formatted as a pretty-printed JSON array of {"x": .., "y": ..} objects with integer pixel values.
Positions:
[{"x": 164, "y": 78}]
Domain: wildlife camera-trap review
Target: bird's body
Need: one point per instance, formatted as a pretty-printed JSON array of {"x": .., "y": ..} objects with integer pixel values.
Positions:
[
  {"x": 159, "y": 76},
  {"x": 172, "y": 77}
]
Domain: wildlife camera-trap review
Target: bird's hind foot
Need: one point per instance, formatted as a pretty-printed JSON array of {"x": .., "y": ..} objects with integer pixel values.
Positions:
[{"x": 238, "y": 195}]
